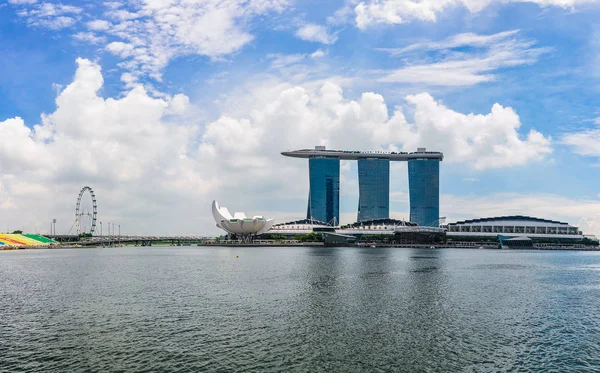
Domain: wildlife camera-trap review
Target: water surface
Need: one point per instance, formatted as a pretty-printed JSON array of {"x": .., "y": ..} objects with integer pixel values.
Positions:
[{"x": 193, "y": 309}]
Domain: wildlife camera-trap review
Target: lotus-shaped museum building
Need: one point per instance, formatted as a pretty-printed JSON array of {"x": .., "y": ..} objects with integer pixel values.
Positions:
[{"x": 239, "y": 223}]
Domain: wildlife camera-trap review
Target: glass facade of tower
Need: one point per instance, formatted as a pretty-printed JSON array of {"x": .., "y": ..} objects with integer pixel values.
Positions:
[
  {"x": 374, "y": 189},
  {"x": 324, "y": 193},
  {"x": 424, "y": 188}
]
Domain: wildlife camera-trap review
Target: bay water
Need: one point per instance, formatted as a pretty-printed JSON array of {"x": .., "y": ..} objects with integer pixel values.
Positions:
[{"x": 299, "y": 309}]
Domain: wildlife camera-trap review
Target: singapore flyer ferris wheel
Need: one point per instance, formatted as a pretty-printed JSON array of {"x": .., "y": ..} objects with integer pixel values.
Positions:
[{"x": 85, "y": 212}]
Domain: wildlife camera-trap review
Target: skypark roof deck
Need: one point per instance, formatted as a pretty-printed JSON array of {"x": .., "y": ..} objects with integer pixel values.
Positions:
[{"x": 320, "y": 151}]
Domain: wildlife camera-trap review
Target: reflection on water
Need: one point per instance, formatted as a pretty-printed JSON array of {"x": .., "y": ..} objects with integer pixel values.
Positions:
[{"x": 299, "y": 309}]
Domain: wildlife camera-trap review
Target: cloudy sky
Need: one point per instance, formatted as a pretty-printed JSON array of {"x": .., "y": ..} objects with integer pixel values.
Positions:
[{"x": 162, "y": 106}]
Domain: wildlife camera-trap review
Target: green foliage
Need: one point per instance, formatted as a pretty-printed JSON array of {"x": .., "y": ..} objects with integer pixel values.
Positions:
[
  {"x": 310, "y": 237},
  {"x": 17, "y": 232},
  {"x": 589, "y": 242},
  {"x": 273, "y": 236}
]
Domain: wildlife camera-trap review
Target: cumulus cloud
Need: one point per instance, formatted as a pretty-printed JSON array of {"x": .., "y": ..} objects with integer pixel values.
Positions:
[
  {"x": 98, "y": 25},
  {"x": 401, "y": 11},
  {"x": 301, "y": 117},
  {"x": 483, "y": 141},
  {"x": 126, "y": 147},
  {"x": 120, "y": 49},
  {"x": 21, "y": 152},
  {"x": 316, "y": 33},
  {"x": 158, "y": 170},
  {"x": 444, "y": 66}
]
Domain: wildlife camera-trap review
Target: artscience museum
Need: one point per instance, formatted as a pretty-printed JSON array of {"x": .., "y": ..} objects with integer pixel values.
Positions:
[{"x": 239, "y": 224}]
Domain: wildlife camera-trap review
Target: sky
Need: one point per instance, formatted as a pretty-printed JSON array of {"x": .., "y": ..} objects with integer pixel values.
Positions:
[{"x": 162, "y": 106}]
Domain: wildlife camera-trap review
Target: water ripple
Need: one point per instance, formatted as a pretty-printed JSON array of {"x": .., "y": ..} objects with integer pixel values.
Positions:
[{"x": 298, "y": 310}]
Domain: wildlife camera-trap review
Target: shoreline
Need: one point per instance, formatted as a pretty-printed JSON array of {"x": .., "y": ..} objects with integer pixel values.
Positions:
[{"x": 313, "y": 244}]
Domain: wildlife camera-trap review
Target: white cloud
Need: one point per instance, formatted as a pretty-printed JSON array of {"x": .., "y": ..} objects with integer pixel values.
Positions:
[
  {"x": 89, "y": 37},
  {"x": 460, "y": 40},
  {"x": 120, "y": 49},
  {"x": 402, "y": 11},
  {"x": 55, "y": 23},
  {"x": 113, "y": 4},
  {"x": 161, "y": 30},
  {"x": 153, "y": 168},
  {"x": 300, "y": 117},
  {"x": 451, "y": 68},
  {"x": 129, "y": 80},
  {"x": 316, "y": 33},
  {"x": 49, "y": 15},
  {"x": 22, "y": 1},
  {"x": 584, "y": 213},
  {"x": 343, "y": 15},
  {"x": 128, "y": 148},
  {"x": 318, "y": 54},
  {"x": 281, "y": 60},
  {"x": 21, "y": 151},
  {"x": 483, "y": 141},
  {"x": 98, "y": 25},
  {"x": 585, "y": 143}
]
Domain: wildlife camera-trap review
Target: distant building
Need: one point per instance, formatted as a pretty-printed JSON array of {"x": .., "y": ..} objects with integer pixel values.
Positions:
[
  {"x": 374, "y": 183},
  {"x": 514, "y": 226},
  {"x": 239, "y": 224},
  {"x": 374, "y": 188},
  {"x": 395, "y": 230},
  {"x": 424, "y": 191},
  {"x": 304, "y": 226},
  {"x": 324, "y": 192}
]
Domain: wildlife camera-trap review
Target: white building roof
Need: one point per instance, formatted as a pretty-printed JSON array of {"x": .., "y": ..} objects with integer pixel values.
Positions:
[{"x": 513, "y": 220}]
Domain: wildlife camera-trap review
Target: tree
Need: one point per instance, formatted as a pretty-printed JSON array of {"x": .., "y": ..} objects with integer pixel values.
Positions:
[{"x": 587, "y": 241}]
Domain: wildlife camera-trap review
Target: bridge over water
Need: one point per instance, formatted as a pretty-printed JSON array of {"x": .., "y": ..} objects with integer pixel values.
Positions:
[{"x": 137, "y": 240}]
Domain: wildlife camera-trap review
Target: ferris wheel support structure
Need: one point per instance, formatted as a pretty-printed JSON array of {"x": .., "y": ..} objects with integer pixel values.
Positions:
[{"x": 79, "y": 214}]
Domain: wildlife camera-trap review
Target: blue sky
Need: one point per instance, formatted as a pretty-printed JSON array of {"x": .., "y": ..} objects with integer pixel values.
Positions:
[{"x": 164, "y": 105}]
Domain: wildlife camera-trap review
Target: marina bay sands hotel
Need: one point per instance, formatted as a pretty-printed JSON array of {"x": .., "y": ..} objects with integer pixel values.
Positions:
[{"x": 373, "y": 183}]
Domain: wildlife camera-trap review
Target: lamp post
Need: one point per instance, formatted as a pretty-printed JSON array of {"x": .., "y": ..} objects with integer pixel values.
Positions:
[
  {"x": 100, "y": 229},
  {"x": 119, "y": 234}
]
